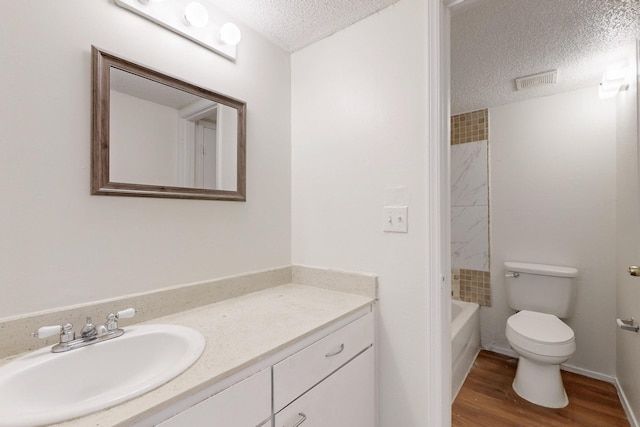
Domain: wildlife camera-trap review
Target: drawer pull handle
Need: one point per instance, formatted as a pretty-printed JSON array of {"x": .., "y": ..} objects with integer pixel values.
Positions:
[
  {"x": 303, "y": 418},
  {"x": 335, "y": 353}
]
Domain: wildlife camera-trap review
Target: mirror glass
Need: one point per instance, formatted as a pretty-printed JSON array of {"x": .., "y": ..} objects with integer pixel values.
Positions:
[{"x": 158, "y": 136}]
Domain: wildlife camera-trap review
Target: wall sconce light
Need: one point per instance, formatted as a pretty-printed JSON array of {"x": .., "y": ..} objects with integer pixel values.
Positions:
[
  {"x": 191, "y": 20},
  {"x": 615, "y": 79}
]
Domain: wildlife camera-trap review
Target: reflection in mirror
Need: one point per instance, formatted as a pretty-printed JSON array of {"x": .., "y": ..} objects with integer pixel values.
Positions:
[{"x": 157, "y": 136}]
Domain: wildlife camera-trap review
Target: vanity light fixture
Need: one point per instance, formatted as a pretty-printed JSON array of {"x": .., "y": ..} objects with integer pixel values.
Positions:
[
  {"x": 615, "y": 79},
  {"x": 230, "y": 34},
  {"x": 190, "y": 19},
  {"x": 196, "y": 14}
]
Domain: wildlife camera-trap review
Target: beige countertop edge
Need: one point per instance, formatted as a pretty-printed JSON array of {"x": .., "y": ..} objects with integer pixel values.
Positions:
[{"x": 240, "y": 332}]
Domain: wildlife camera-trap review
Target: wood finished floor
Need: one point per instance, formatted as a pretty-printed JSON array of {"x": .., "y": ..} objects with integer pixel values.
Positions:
[{"x": 487, "y": 399}]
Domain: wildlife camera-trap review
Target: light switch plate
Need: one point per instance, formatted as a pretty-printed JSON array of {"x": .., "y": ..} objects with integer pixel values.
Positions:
[{"x": 396, "y": 219}]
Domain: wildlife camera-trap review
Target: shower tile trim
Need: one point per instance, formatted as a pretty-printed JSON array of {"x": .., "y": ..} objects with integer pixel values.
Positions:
[
  {"x": 470, "y": 127},
  {"x": 466, "y": 284},
  {"x": 473, "y": 286},
  {"x": 455, "y": 284}
]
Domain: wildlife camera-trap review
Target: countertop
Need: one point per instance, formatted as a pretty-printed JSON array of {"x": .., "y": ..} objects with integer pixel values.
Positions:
[{"x": 239, "y": 332}]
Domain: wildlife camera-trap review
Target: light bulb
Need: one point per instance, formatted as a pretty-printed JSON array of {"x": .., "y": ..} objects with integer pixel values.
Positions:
[
  {"x": 614, "y": 79},
  {"x": 196, "y": 15},
  {"x": 230, "y": 34}
]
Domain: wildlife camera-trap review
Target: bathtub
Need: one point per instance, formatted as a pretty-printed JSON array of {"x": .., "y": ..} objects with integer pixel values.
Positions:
[{"x": 465, "y": 341}]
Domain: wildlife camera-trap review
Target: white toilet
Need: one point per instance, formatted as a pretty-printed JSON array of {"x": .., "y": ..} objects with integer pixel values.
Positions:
[{"x": 543, "y": 294}]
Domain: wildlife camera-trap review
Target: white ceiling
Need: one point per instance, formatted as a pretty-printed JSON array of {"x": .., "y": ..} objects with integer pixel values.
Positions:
[
  {"x": 295, "y": 24},
  {"x": 149, "y": 90},
  {"x": 492, "y": 41},
  {"x": 495, "y": 41}
]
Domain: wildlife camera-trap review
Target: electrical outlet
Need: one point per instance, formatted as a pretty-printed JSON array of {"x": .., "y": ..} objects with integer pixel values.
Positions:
[{"x": 395, "y": 219}]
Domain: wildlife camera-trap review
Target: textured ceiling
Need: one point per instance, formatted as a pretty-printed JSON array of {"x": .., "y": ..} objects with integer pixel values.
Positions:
[
  {"x": 149, "y": 90},
  {"x": 294, "y": 24},
  {"x": 492, "y": 41},
  {"x": 495, "y": 41}
]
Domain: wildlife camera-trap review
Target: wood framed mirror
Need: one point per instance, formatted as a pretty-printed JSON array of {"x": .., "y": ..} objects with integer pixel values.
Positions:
[{"x": 154, "y": 135}]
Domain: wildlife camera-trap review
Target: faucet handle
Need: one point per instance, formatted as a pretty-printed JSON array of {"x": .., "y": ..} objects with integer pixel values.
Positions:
[
  {"x": 127, "y": 313},
  {"x": 46, "y": 331},
  {"x": 66, "y": 332},
  {"x": 112, "y": 319}
]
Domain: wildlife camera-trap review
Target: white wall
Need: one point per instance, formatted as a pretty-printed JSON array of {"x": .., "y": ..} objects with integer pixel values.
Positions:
[
  {"x": 227, "y": 130},
  {"x": 143, "y": 141},
  {"x": 553, "y": 201},
  {"x": 359, "y": 142},
  {"x": 628, "y": 245},
  {"x": 59, "y": 245}
]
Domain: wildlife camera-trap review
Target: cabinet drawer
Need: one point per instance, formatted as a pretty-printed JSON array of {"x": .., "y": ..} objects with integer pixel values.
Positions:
[
  {"x": 245, "y": 404},
  {"x": 345, "y": 399},
  {"x": 301, "y": 371}
]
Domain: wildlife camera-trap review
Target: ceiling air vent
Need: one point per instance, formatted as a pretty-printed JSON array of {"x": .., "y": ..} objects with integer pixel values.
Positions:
[{"x": 541, "y": 79}]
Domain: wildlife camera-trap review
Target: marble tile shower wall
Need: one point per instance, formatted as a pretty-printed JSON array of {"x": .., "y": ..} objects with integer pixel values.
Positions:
[{"x": 470, "y": 207}]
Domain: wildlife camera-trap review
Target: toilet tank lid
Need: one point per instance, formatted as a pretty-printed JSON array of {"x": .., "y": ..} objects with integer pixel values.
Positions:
[{"x": 542, "y": 269}]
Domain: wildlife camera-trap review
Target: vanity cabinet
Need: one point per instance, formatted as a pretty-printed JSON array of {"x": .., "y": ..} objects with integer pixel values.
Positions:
[
  {"x": 306, "y": 368},
  {"x": 325, "y": 381},
  {"x": 344, "y": 399},
  {"x": 329, "y": 383},
  {"x": 245, "y": 404}
]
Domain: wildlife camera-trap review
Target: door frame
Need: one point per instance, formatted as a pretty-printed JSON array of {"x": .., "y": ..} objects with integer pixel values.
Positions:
[{"x": 439, "y": 262}]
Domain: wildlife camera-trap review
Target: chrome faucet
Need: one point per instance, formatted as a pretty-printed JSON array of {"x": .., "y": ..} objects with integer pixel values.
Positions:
[
  {"x": 89, "y": 334},
  {"x": 88, "y": 330}
]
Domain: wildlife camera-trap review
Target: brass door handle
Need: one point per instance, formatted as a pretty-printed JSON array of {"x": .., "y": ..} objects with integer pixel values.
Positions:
[{"x": 634, "y": 270}]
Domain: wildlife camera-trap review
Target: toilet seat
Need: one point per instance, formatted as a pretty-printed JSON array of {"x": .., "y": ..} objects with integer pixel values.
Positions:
[{"x": 540, "y": 333}]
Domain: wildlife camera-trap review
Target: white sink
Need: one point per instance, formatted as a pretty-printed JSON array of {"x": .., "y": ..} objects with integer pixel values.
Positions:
[{"x": 44, "y": 387}]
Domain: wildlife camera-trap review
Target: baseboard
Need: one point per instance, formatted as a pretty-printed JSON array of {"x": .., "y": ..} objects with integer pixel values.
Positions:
[
  {"x": 570, "y": 368},
  {"x": 501, "y": 350},
  {"x": 588, "y": 373},
  {"x": 625, "y": 405}
]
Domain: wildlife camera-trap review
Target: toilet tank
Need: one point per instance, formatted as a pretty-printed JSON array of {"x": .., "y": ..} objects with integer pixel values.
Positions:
[{"x": 540, "y": 287}]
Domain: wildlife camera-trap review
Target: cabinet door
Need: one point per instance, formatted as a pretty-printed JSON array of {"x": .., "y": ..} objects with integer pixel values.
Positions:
[
  {"x": 245, "y": 404},
  {"x": 344, "y": 399}
]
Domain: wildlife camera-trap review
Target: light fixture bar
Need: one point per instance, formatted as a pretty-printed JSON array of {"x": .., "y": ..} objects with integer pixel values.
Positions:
[{"x": 183, "y": 17}]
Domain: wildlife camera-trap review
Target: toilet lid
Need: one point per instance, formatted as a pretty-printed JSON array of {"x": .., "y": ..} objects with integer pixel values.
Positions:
[{"x": 540, "y": 327}]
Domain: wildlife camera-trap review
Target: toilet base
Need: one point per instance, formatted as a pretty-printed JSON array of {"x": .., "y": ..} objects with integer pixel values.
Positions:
[{"x": 540, "y": 384}]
